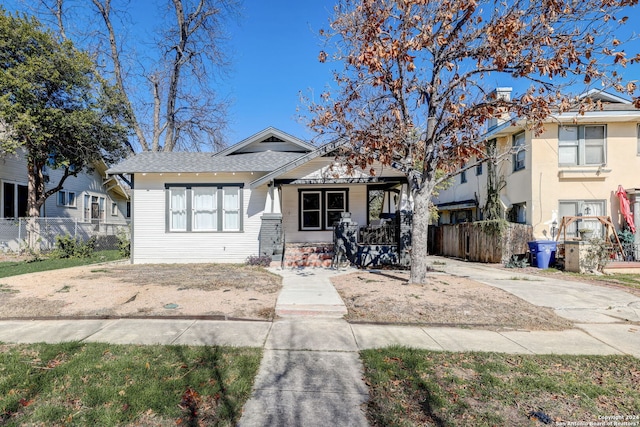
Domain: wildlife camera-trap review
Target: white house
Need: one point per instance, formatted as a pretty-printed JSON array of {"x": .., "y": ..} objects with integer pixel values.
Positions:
[
  {"x": 247, "y": 199},
  {"x": 87, "y": 197},
  {"x": 88, "y": 204}
]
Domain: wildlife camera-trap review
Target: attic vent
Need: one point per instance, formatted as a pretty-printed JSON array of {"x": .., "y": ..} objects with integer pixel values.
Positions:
[{"x": 272, "y": 139}]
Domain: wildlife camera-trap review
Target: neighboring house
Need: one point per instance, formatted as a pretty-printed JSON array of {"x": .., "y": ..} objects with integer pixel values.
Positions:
[
  {"x": 88, "y": 197},
  {"x": 247, "y": 199},
  {"x": 572, "y": 169}
]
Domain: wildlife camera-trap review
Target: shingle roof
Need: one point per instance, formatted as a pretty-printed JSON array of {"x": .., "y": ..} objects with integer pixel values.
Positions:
[{"x": 153, "y": 162}]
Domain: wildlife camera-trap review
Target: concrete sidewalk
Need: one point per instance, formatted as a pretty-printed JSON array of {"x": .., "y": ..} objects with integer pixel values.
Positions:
[
  {"x": 311, "y": 373},
  {"x": 326, "y": 335}
]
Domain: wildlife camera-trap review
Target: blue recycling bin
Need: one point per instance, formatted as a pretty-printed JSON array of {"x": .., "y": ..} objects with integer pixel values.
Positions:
[{"x": 543, "y": 253}]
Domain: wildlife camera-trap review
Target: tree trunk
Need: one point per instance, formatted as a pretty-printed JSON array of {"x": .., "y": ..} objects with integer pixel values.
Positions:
[
  {"x": 419, "y": 235},
  {"x": 35, "y": 187}
]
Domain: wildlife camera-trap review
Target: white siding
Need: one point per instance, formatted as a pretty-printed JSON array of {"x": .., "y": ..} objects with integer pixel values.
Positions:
[
  {"x": 153, "y": 244},
  {"x": 13, "y": 168},
  {"x": 291, "y": 217}
]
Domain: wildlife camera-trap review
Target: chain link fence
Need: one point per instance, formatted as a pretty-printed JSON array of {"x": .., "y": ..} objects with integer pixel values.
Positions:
[{"x": 39, "y": 234}]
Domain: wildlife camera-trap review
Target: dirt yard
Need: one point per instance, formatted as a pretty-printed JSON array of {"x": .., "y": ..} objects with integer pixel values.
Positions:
[
  {"x": 445, "y": 300},
  {"x": 119, "y": 289},
  {"x": 231, "y": 291}
]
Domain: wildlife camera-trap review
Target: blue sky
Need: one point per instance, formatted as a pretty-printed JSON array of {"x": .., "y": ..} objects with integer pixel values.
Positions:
[
  {"x": 276, "y": 50},
  {"x": 274, "y": 47}
]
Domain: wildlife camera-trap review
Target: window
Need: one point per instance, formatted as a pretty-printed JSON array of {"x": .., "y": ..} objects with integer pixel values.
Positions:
[
  {"x": 583, "y": 208},
  {"x": 320, "y": 209},
  {"x": 310, "y": 212},
  {"x": 479, "y": 169},
  {"x": 128, "y": 214},
  {"x": 463, "y": 177},
  {"x": 94, "y": 208},
  {"x": 14, "y": 200},
  {"x": 518, "y": 213},
  {"x": 231, "y": 208},
  {"x": 581, "y": 145},
  {"x": 519, "y": 153},
  {"x": 336, "y": 203},
  {"x": 204, "y": 208},
  {"x": 461, "y": 216},
  {"x": 114, "y": 209},
  {"x": 66, "y": 198}
]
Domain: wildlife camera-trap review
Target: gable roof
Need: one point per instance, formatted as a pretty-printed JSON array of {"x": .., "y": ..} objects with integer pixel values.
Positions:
[
  {"x": 320, "y": 151},
  {"x": 263, "y": 152},
  {"x": 266, "y": 140}
]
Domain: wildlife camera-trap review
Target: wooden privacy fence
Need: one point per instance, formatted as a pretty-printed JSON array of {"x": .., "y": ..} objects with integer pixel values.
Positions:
[{"x": 471, "y": 241}]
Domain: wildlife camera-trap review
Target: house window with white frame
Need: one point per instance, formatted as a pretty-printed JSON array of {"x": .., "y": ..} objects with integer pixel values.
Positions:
[
  {"x": 94, "y": 208},
  {"x": 14, "y": 200},
  {"x": 114, "y": 209},
  {"x": 519, "y": 152},
  {"x": 67, "y": 198},
  {"x": 321, "y": 209},
  {"x": 582, "y": 145},
  {"x": 204, "y": 208}
]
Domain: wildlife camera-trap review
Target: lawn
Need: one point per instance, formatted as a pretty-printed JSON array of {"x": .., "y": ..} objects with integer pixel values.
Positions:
[
  {"x": 114, "y": 385},
  {"x": 424, "y": 388},
  {"x": 14, "y": 268}
]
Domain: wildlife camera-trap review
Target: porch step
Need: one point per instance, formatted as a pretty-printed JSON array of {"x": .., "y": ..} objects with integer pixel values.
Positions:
[{"x": 308, "y": 254}]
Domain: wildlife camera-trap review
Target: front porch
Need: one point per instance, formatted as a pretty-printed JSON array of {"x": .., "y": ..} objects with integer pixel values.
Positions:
[
  {"x": 318, "y": 223},
  {"x": 362, "y": 246}
]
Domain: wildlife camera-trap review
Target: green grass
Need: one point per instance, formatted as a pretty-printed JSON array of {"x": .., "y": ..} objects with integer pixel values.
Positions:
[
  {"x": 630, "y": 280},
  {"x": 112, "y": 385},
  {"x": 526, "y": 279},
  {"x": 423, "y": 388},
  {"x": 14, "y": 268}
]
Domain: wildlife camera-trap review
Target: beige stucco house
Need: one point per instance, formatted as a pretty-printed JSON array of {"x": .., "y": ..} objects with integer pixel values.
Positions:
[{"x": 573, "y": 168}]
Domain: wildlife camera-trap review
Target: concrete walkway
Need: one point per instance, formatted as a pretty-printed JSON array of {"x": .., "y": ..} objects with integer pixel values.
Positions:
[{"x": 311, "y": 373}]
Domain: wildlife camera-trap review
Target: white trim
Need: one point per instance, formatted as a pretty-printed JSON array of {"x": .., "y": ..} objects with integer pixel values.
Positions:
[
  {"x": 266, "y": 133},
  {"x": 604, "y": 96}
]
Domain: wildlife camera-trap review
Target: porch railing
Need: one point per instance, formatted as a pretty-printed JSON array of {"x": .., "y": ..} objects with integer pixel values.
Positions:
[
  {"x": 631, "y": 251},
  {"x": 383, "y": 234}
]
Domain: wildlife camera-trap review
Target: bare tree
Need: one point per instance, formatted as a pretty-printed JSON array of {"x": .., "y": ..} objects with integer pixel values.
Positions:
[
  {"x": 412, "y": 90},
  {"x": 185, "y": 111}
]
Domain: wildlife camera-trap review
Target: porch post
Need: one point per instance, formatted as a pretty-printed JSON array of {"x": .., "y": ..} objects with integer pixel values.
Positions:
[
  {"x": 405, "y": 221},
  {"x": 271, "y": 232}
]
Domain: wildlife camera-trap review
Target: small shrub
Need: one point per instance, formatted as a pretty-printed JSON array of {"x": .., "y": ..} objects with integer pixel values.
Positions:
[
  {"x": 597, "y": 255},
  {"x": 626, "y": 236},
  {"x": 262, "y": 260},
  {"x": 71, "y": 247},
  {"x": 124, "y": 243},
  {"x": 516, "y": 262}
]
